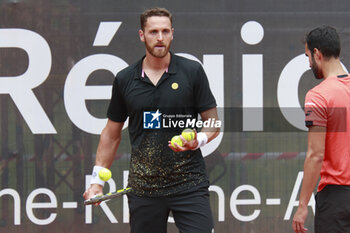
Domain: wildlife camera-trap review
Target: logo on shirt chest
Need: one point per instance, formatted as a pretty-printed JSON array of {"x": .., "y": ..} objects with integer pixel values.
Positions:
[{"x": 174, "y": 86}]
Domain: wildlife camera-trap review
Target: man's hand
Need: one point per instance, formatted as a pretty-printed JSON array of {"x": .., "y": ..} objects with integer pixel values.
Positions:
[
  {"x": 93, "y": 190},
  {"x": 299, "y": 220},
  {"x": 186, "y": 145}
]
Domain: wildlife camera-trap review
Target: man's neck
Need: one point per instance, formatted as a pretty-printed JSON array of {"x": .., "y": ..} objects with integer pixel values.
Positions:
[
  {"x": 333, "y": 68},
  {"x": 155, "y": 63}
]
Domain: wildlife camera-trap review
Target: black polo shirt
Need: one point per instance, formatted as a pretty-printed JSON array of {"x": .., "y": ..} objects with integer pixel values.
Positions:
[{"x": 155, "y": 170}]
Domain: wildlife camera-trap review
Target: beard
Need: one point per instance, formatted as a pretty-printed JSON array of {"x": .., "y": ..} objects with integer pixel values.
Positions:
[
  {"x": 155, "y": 51},
  {"x": 316, "y": 70}
]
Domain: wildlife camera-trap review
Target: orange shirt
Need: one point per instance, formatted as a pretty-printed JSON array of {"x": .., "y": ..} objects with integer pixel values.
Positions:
[{"x": 328, "y": 105}]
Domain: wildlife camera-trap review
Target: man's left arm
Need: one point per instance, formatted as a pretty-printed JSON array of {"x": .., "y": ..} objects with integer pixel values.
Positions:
[
  {"x": 206, "y": 135},
  {"x": 211, "y": 132}
]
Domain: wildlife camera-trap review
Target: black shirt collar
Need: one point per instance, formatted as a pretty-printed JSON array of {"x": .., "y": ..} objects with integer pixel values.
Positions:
[
  {"x": 171, "y": 68},
  {"x": 342, "y": 76}
]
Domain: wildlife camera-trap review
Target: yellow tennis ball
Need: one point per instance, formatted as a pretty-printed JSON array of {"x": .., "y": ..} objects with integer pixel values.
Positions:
[
  {"x": 105, "y": 174},
  {"x": 188, "y": 134},
  {"x": 176, "y": 139}
]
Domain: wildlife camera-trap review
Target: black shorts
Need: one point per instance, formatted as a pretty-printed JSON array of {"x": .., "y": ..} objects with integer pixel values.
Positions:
[
  {"x": 191, "y": 212},
  {"x": 333, "y": 209}
]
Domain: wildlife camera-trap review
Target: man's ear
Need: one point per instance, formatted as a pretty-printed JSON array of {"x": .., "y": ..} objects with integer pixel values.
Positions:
[
  {"x": 317, "y": 54},
  {"x": 142, "y": 35}
]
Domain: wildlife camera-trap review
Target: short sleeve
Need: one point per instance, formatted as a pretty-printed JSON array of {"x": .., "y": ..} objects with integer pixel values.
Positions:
[
  {"x": 315, "y": 110},
  {"x": 204, "y": 98},
  {"x": 117, "y": 110}
]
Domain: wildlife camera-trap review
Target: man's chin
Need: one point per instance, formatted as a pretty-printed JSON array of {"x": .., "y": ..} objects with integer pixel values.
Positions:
[
  {"x": 160, "y": 54},
  {"x": 318, "y": 75}
]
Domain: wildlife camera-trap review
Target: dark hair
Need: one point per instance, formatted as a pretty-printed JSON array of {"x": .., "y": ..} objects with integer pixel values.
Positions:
[
  {"x": 325, "y": 39},
  {"x": 157, "y": 11}
]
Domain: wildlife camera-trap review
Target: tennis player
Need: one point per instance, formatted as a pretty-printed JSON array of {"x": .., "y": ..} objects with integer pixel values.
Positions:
[
  {"x": 327, "y": 110},
  {"x": 163, "y": 178}
]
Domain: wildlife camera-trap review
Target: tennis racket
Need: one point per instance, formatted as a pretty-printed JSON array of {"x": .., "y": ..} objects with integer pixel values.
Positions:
[{"x": 107, "y": 196}]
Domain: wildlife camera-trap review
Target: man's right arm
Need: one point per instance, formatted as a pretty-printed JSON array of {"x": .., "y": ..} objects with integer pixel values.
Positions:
[
  {"x": 106, "y": 150},
  {"x": 109, "y": 143}
]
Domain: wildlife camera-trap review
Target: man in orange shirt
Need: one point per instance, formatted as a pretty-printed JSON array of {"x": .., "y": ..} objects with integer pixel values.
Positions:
[{"x": 327, "y": 111}]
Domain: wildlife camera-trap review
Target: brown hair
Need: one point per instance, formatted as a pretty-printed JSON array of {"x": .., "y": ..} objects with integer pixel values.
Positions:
[{"x": 157, "y": 11}]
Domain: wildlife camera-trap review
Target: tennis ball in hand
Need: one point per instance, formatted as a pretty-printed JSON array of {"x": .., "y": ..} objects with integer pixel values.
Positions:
[
  {"x": 176, "y": 139},
  {"x": 105, "y": 174},
  {"x": 188, "y": 134}
]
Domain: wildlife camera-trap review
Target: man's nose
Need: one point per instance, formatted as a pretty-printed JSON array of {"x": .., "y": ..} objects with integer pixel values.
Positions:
[{"x": 160, "y": 36}]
